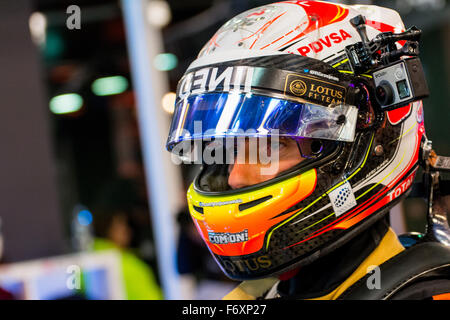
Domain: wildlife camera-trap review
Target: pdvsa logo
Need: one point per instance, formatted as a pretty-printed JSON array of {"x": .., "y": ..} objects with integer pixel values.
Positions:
[{"x": 324, "y": 42}]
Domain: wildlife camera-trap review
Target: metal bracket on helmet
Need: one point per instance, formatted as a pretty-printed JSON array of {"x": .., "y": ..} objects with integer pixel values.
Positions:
[
  {"x": 437, "y": 224},
  {"x": 439, "y": 163},
  {"x": 380, "y": 51},
  {"x": 431, "y": 161},
  {"x": 434, "y": 189}
]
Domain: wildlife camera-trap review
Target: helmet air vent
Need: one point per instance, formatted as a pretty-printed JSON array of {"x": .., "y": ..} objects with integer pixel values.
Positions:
[{"x": 247, "y": 205}]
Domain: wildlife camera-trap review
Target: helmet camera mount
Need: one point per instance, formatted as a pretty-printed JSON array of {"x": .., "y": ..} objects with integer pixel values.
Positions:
[
  {"x": 398, "y": 79},
  {"x": 397, "y": 74}
]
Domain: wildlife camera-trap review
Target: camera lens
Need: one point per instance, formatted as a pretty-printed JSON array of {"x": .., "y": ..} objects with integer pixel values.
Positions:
[{"x": 384, "y": 93}]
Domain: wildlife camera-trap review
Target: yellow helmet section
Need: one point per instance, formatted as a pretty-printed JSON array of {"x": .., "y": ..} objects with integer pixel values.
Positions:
[{"x": 237, "y": 224}]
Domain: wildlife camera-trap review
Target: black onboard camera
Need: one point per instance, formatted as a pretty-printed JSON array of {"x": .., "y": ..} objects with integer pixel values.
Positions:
[{"x": 397, "y": 81}]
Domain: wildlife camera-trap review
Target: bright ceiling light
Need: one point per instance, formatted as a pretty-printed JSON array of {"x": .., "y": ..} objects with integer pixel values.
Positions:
[
  {"x": 38, "y": 26},
  {"x": 158, "y": 13},
  {"x": 168, "y": 102}
]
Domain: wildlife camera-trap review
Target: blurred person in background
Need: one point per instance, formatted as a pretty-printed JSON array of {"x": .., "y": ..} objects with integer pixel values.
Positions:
[
  {"x": 195, "y": 263},
  {"x": 113, "y": 230},
  {"x": 192, "y": 255}
]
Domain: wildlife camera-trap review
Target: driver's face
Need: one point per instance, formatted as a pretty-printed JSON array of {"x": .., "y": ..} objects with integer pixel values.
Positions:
[{"x": 247, "y": 174}]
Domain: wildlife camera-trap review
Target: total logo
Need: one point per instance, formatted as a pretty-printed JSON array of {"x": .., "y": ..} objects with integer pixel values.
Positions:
[
  {"x": 402, "y": 187},
  {"x": 325, "y": 42}
]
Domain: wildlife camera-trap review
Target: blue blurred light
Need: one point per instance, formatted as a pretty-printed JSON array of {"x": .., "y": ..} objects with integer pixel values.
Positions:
[{"x": 84, "y": 217}]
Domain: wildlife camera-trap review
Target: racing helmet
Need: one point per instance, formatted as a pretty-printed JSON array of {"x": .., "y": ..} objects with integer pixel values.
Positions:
[{"x": 281, "y": 70}]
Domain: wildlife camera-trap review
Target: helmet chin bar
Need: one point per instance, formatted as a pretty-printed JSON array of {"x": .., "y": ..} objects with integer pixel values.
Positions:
[{"x": 434, "y": 189}]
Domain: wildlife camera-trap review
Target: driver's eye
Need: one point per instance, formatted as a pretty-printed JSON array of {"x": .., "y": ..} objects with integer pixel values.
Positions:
[{"x": 276, "y": 145}]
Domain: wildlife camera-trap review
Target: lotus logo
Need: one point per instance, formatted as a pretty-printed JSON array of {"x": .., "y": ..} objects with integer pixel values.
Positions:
[{"x": 298, "y": 87}]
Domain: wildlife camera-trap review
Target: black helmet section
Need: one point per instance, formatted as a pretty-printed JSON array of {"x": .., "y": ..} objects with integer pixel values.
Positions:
[{"x": 285, "y": 76}]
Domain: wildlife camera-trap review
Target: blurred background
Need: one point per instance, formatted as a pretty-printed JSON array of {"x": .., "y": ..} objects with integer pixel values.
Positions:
[{"x": 91, "y": 205}]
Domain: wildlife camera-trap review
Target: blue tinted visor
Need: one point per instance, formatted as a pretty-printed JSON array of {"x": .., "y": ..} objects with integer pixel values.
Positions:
[{"x": 233, "y": 114}]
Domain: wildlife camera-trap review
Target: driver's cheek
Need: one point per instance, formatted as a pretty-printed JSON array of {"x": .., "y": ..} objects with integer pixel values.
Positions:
[{"x": 244, "y": 175}]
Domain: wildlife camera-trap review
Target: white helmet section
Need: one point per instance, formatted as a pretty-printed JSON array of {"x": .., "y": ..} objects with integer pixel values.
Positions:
[{"x": 316, "y": 29}]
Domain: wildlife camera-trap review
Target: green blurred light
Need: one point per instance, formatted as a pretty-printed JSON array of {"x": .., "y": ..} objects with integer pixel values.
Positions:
[
  {"x": 109, "y": 85},
  {"x": 66, "y": 103},
  {"x": 54, "y": 45},
  {"x": 165, "y": 61}
]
